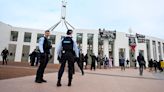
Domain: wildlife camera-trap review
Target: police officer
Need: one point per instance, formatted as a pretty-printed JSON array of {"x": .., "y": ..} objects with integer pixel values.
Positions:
[
  {"x": 65, "y": 51},
  {"x": 44, "y": 47}
]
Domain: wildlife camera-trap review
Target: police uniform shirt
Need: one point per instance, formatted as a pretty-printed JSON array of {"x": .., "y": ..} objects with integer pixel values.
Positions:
[
  {"x": 41, "y": 42},
  {"x": 75, "y": 48}
]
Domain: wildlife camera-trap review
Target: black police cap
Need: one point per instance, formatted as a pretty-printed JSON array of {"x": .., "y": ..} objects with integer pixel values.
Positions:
[{"x": 69, "y": 31}]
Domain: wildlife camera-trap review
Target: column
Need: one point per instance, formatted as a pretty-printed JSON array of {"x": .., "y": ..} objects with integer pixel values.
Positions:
[
  {"x": 151, "y": 50},
  {"x": 84, "y": 43},
  {"x": 116, "y": 54},
  {"x": 106, "y": 48},
  {"x": 157, "y": 52},
  {"x": 95, "y": 44},
  {"x": 58, "y": 39},
  {"x": 162, "y": 50},
  {"x": 33, "y": 41},
  {"x": 19, "y": 47}
]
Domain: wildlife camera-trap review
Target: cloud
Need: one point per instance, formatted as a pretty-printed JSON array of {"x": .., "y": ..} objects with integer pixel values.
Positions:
[{"x": 143, "y": 16}]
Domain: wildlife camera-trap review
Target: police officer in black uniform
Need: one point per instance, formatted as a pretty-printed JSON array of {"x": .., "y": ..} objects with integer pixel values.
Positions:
[
  {"x": 44, "y": 47},
  {"x": 66, "y": 50}
]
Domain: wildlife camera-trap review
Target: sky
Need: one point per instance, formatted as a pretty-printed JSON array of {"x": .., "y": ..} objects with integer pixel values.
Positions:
[{"x": 141, "y": 16}]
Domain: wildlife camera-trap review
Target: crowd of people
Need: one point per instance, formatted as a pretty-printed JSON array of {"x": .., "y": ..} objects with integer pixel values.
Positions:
[
  {"x": 68, "y": 52},
  {"x": 155, "y": 66}
]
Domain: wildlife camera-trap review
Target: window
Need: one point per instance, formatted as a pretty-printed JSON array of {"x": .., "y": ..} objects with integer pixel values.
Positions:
[
  {"x": 52, "y": 39},
  {"x": 38, "y": 37},
  {"x": 14, "y": 36},
  {"x": 27, "y": 37},
  {"x": 90, "y": 42},
  {"x": 79, "y": 39}
]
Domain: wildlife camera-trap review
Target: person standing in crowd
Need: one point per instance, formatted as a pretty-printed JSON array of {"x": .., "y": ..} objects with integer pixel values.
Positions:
[
  {"x": 98, "y": 61},
  {"x": 86, "y": 60},
  {"x": 37, "y": 56},
  {"x": 4, "y": 54},
  {"x": 65, "y": 51},
  {"x": 93, "y": 63},
  {"x": 135, "y": 63},
  {"x": 32, "y": 57},
  {"x": 141, "y": 62},
  {"x": 155, "y": 65},
  {"x": 105, "y": 62},
  {"x": 44, "y": 47},
  {"x": 127, "y": 63},
  {"x": 150, "y": 65},
  {"x": 122, "y": 63},
  {"x": 79, "y": 62},
  {"x": 159, "y": 66}
]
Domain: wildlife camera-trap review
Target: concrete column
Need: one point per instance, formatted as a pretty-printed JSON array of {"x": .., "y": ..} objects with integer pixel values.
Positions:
[
  {"x": 116, "y": 55},
  {"x": 58, "y": 39},
  {"x": 84, "y": 43},
  {"x": 106, "y": 47},
  {"x": 151, "y": 49},
  {"x": 157, "y": 52},
  {"x": 95, "y": 44},
  {"x": 33, "y": 41},
  {"x": 18, "y": 53},
  {"x": 162, "y": 50}
]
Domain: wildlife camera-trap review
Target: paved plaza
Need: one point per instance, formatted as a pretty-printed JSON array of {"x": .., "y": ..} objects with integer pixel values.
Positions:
[{"x": 104, "y": 80}]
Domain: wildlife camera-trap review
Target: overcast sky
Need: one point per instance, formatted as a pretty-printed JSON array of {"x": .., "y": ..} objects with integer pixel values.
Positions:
[{"x": 142, "y": 16}]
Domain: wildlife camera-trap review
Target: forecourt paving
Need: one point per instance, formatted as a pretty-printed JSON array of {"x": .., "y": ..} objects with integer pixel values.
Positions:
[{"x": 104, "y": 80}]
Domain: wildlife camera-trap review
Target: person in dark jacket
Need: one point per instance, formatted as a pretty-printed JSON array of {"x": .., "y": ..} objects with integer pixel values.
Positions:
[
  {"x": 141, "y": 62},
  {"x": 122, "y": 63},
  {"x": 150, "y": 65},
  {"x": 32, "y": 57},
  {"x": 93, "y": 63},
  {"x": 155, "y": 65},
  {"x": 79, "y": 62},
  {"x": 4, "y": 54}
]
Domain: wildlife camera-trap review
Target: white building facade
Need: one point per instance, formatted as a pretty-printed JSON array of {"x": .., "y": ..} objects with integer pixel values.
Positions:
[{"x": 22, "y": 41}]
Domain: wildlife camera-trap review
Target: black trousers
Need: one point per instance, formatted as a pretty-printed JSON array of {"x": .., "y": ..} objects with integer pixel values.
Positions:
[
  {"x": 43, "y": 63},
  {"x": 93, "y": 66},
  {"x": 68, "y": 56},
  {"x": 4, "y": 59},
  {"x": 141, "y": 67}
]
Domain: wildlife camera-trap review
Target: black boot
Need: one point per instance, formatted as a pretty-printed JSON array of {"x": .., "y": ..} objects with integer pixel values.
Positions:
[
  {"x": 58, "y": 83},
  {"x": 69, "y": 82},
  {"x": 43, "y": 80},
  {"x": 82, "y": 72},
  {"x": 37, "y": 80}
]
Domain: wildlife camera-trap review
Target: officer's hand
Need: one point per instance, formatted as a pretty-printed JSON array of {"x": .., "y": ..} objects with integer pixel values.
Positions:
[{"x": 42, "y": 55}]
